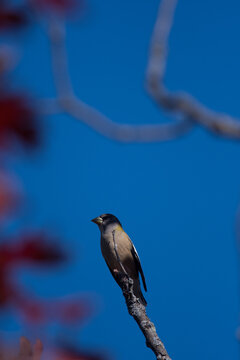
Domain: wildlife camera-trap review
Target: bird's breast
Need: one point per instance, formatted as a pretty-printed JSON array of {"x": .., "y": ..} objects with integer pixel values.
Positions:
[{"x": 117, "y": 246}]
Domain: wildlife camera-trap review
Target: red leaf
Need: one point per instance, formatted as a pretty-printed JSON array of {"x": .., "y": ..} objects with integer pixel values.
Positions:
[
  {"x": 6, "y": 288},
  {"x": 18, "y": 121},
  {"x": 33, "y": 311},
  {"x": 9, "y": 195},
  {"x": 32, "y": 248},
  {"x": 59, "y": 6},
  {"x": 74, "y": 311},
  {"x": 12, "y": 19},
  {"x": 71, "y": 353},
  {"x": 37, "y": 248},
  {"x": 9, "y": 58}
]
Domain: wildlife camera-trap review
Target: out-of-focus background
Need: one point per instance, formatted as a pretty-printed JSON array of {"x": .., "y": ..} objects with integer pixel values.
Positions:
[{"x": 177, "y": 200}]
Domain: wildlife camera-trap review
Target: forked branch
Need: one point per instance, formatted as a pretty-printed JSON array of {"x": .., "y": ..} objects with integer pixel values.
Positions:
[{"x": 186, "y": 111}]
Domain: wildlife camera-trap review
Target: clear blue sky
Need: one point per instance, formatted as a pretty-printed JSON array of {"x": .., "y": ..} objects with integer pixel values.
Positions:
[{"x": 176, "y": 200}]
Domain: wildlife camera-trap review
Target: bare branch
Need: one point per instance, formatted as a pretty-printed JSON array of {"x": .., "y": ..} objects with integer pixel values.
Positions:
[
  {"x": 177, "y": 103},
  {"x": 57, "y": 36},
  {"x": 123, "y": 132},
  {"x": 138, "y": 312},
  {"x": 191, "y": 112},
  {"x": 73, "y": 106},
  {"x": 182, "y": 103}
]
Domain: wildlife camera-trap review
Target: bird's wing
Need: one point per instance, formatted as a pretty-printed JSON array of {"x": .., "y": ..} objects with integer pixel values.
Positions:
[
  {"x": 138, "y": 265},
  {"x": 114, "y": 276}
]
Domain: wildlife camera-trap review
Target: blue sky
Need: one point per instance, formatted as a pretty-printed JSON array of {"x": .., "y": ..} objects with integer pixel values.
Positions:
[{"x": 176, "y": 200}]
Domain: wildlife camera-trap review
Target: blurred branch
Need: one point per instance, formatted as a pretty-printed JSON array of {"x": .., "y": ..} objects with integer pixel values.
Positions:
[
  {"x": 183, "y": 104},
  {"x": 138, "y": 312},
  {"x": 68, "y": 102},
  {"x": 57, "y": 36}
]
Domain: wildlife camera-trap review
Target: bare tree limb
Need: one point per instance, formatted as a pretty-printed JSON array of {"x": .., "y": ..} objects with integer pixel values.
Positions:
[
  {"x": 191, "y": 112},
  {"x": 68, "y": 102},
  {"x": 123, "y": 132},
  {"x": 182, "y": 103},
  {"x": 138, "y": 312},
  {"x": 57, "y": 36}
]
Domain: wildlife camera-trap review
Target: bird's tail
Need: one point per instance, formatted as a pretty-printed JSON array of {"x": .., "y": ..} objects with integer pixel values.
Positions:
[{"x": 138, "y": 292}]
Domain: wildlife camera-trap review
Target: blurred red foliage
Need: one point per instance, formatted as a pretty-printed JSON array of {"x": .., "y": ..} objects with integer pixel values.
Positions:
[
  {"x": 10, "y": 197},
  {"x": 18, "y": 121},
  {"x": 35, "y": 249},
  {"x": 19, "y": 126},
  {"x": 26, "y": 350},
  {"x": 12, "y": 18},
  {"x": 71, "y": 353},
  {"x": 73, "y": 310},
  {"x": 58, "y": 6},
  {"x": 30, "y": 248},
  {"x": 8, "y": 59}
]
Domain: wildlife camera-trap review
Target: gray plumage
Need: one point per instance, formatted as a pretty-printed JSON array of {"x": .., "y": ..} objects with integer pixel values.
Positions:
[{"x": 119, "y": 251}]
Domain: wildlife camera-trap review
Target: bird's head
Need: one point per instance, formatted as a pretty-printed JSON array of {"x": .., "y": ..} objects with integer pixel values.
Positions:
[{"x": 105, "y": 220}]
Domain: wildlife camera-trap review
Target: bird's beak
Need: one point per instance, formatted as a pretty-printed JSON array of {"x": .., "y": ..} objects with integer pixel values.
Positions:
[{"x": 98, "y": 220}]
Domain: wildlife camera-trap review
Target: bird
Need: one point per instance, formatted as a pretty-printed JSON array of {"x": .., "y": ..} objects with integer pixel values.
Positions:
[{"x": 119, "y": 252}]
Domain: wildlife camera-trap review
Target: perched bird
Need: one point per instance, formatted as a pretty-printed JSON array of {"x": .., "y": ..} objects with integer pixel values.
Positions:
[{"x": 119, "y": 252}]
